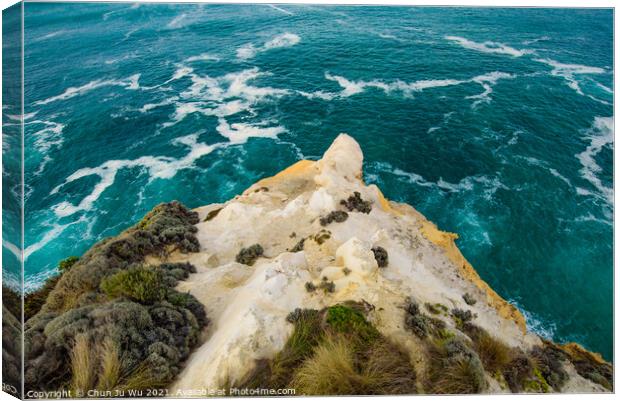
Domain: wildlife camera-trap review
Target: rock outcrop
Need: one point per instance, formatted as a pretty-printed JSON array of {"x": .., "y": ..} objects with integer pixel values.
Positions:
[{"x": 323, "y": 235}]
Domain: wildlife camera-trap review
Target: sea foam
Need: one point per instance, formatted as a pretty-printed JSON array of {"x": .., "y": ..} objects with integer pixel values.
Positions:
[{"x": 488, "y": 47}]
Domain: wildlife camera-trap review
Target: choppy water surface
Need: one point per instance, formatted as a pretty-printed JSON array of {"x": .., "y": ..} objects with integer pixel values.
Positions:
[{"x": 495, "y": 123}]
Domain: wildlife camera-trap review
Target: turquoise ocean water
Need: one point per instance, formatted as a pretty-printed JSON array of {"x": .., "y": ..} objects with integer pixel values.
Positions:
[{"x": 496, "y": 124}]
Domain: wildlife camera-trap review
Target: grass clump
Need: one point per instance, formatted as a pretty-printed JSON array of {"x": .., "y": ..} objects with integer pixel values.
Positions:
[
  {"x": 381, "y": 256},
  {"x": 248, "y": 255},
  {"x": 337, "y": 216},
  {"x": 336, "y": 351},
  {"x": 494, "y": 354},
  {"x": 140, "y": 284},
  {"x": 355, "y": 202},
  {"x": 310, "y": 287}
]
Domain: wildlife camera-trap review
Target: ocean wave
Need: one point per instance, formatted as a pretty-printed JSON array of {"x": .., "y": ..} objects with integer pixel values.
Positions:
[
  {"x": 50, "y": 235},
  {"x": 350, "y": 88},
  {"x": 286, "y": 39},
  {"x": 202, "y": 57},
  {"x": 536, "y": 40},
  {"x": 600, "y": 135},
  {"x": 11, "y": 247},
  {"x": 568, "y": 72},
  {"x": 159, "y": 167},
  {"x": 536, "y": 324},
  {"x": 489, "y": 184},
  {"x": 239, "y": 133},
  {"x": 128, "y": 83},
  {"x": 487, "y": 81},
  {"x": 222, "y": 96},
  {"x": 488, "y": 47}
]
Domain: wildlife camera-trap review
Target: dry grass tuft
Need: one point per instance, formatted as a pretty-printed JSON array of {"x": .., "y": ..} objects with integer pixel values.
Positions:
[
  {"x": 82, "y": 365},
  {"x": 110, "y": 373}
]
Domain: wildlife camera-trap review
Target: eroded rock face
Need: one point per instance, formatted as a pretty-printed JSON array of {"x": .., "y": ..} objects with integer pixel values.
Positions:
[{"x": 335, "y": 263}]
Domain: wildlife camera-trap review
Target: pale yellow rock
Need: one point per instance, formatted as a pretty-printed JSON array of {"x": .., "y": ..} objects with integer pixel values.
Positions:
[{"x": 248, "y": 305}]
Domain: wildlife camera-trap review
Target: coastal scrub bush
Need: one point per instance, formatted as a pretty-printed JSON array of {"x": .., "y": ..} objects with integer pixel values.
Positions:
[
  {"x": 128, "y": 314},
  {"x": 338, "y": 216},
  {"x": 248, "y": 255},
  {"x": 454, "y": 368},
  {"x": 462, "y": 317},
  {"x": 65, "y": 264},
  {"x": 469, "y": 299},
  {"x": 355, "y": 202},
  {"x": 381, "y": 256},
  {"x": 420, "y": 324},
  {"x": 590, "y": 367},
  {"x": 139, "y": 284},
  {"x": 550, "y": 360}
]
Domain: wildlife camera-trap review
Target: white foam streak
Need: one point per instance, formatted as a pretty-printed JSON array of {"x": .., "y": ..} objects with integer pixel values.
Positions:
[
  {"x": 239, "y": 133},
  {"x": 600, "y": 135},
  {"x": 488, "y": 46},
  {"x": 568, "y": 72},
  {"x": 350, "y": 88},
  {"x": 280, "y": 9},
  {"x": 203, "y": 57},
  {"x": 128, "y": 83},
  {"x": 286, "y": 39}
]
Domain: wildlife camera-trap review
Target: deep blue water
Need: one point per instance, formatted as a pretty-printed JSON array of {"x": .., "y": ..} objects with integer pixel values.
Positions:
[{"x": 497, "y": 124}]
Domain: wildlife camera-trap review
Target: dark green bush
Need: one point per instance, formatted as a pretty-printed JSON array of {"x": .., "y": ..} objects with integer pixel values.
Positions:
[
  {"x": 65, "y": 264},
  {"x": 381, "y": 256},
  {"x": 248, "y": 255},
  {"x": 355, "y": 202},
  {"x": 337, "y": 215}
]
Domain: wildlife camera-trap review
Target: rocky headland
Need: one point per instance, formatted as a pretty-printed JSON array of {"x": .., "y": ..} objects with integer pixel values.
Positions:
[{"x": 309, "y": 280}]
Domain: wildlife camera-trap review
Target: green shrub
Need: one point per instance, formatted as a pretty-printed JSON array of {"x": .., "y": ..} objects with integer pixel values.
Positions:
[
  {"x": 65, "y": 264},
  {"x": 139, "y": 284},
  {"x": 346, "y": 320}
]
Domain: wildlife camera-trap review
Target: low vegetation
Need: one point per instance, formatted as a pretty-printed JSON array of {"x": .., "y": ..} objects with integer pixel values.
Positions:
[
  {"x": 355, "y": 202},
  {"x": 249, "y": 255},
  {"x": 337, "y": 216},
  {"x": 112, "y": 321},
  {"x": 381, "y": 256},
  {"x": 336, "y": 351}
]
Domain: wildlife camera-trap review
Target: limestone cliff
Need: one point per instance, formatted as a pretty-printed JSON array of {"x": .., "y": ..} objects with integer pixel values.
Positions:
[{"x": 325, "y": 238}]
